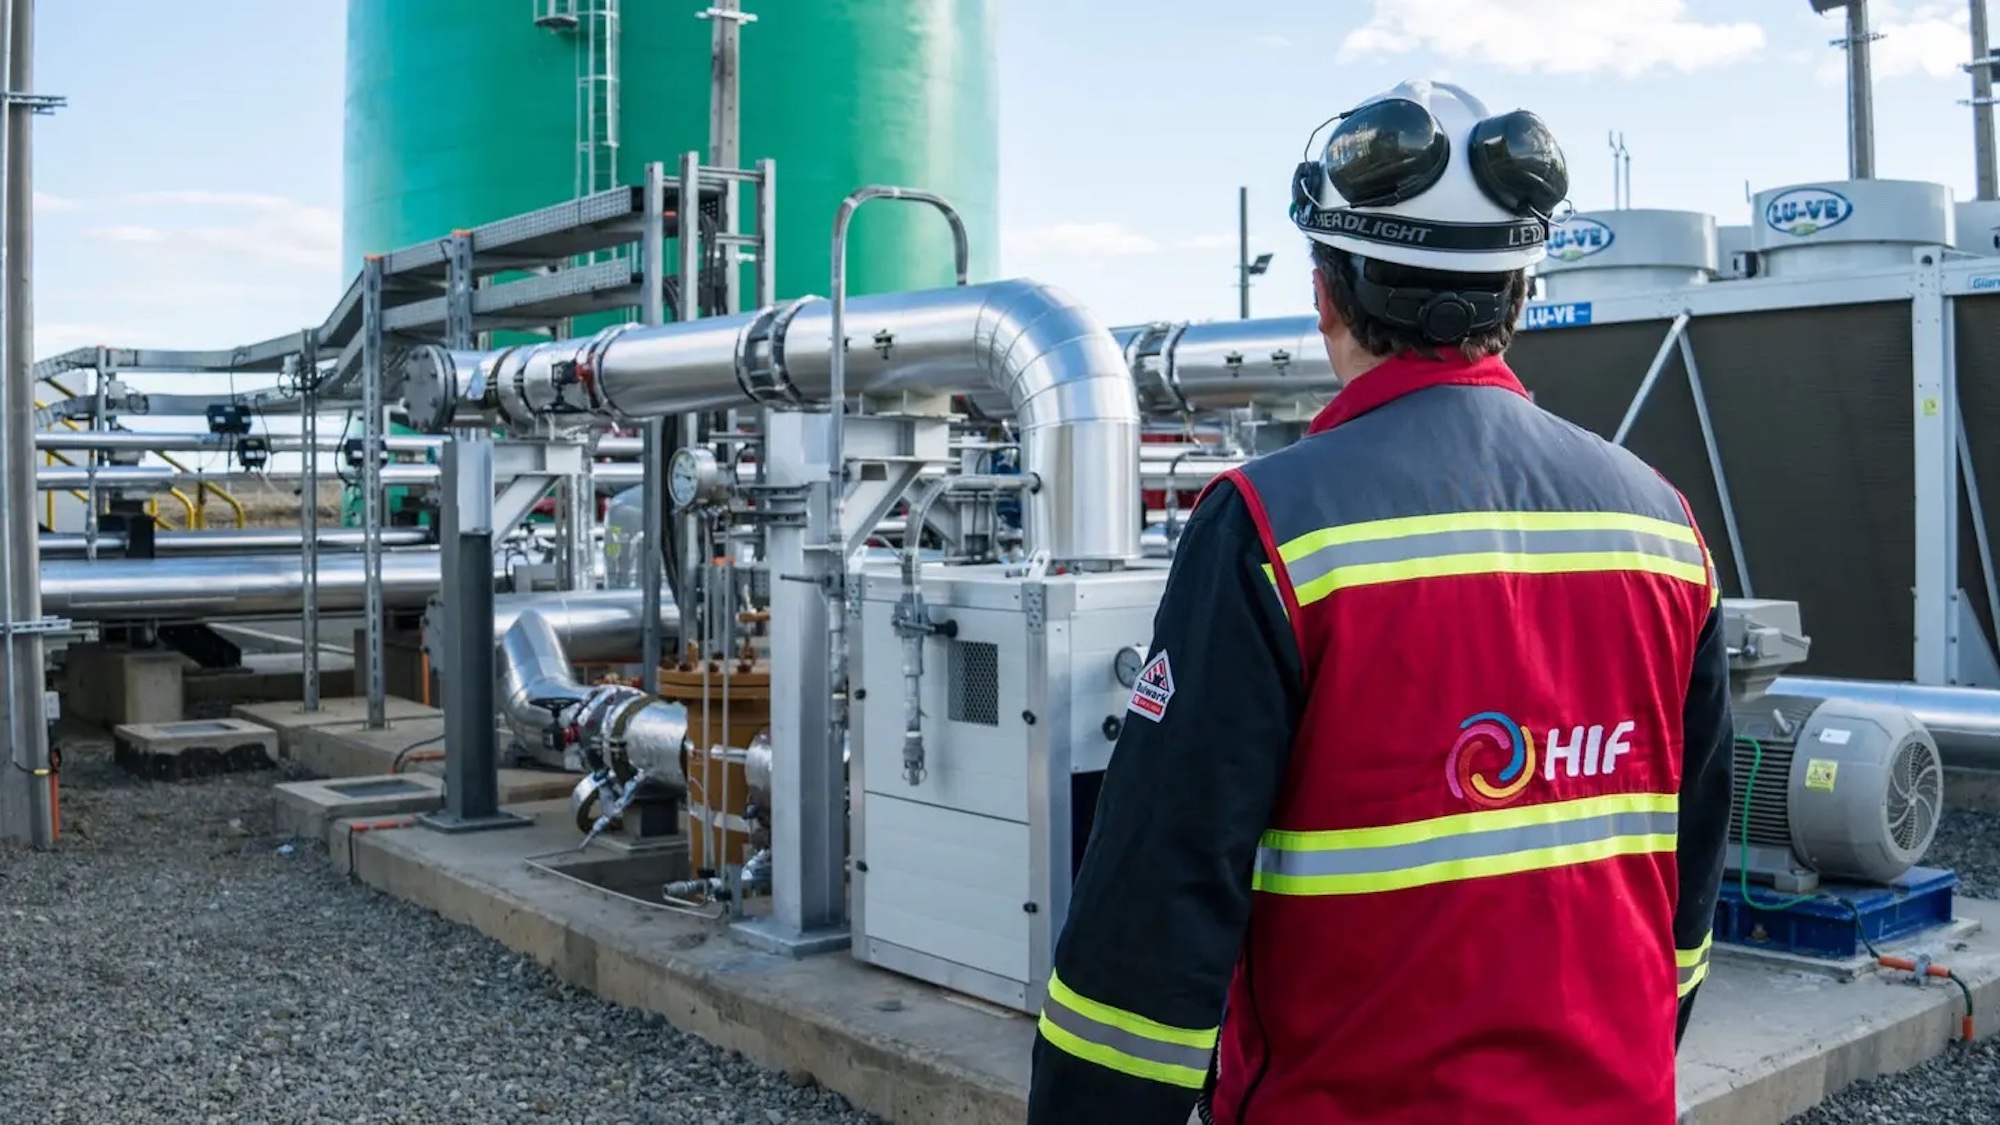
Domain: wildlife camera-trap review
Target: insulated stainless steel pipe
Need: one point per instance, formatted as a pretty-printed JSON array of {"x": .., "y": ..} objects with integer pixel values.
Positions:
[
  {"x": 1061, "y": 371},
  {"x": 62, "y": 478},
  {"x": 1964, "y": 721},
  {"x": 247, "y": 541},
  {"x": 237, "y": 586},
  {"x": 131, "y": 441},
  {"x": 1278, "y": 364}
]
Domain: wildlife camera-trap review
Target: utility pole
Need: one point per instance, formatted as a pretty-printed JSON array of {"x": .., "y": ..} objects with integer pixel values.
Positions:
[
  {"x": 1860, "y": 86},
  {"x": 1621, "y": 173},
  {"x": 1981, "y": 67},
  {"x": 27, "y": 800}
]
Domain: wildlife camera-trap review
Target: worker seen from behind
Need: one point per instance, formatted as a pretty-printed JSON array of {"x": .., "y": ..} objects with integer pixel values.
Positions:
[{"x": 1419, "y": 807}]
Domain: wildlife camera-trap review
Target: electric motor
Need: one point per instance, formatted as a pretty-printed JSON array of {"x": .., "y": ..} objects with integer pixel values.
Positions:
[{"x": 1852, "y": 791}]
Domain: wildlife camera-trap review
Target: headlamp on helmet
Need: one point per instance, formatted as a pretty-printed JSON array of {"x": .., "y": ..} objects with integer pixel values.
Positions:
[{"x": 1388, "y": 154}]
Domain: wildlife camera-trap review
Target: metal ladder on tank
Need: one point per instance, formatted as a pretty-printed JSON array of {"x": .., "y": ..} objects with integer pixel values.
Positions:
[{"x": 596, "y": 28}]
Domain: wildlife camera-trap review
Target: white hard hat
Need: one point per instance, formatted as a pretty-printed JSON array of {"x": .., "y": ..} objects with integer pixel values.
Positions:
[{"x": 1424, "y": 176}]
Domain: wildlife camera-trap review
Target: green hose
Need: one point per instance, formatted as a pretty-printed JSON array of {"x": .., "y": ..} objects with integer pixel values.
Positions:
[{"x": 1743, "y": 868}]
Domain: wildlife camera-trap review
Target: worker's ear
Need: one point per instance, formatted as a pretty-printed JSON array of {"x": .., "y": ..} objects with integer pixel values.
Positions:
[{"x": 1329, "y": 317}]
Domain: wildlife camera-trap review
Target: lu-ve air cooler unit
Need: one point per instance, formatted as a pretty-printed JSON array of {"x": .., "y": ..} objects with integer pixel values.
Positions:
[{"x": 1824, "y": 788}]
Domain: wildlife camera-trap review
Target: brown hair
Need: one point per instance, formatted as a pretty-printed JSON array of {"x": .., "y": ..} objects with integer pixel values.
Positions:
[{"x": 1379, "y": 337}]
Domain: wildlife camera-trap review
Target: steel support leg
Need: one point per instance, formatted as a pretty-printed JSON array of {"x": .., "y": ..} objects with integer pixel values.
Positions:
[
  {"x": 1934, "y": 434},
  {"x": 371, "y": 488},
  {"x": 471, "y": 763},
  {"x": 808, "y": 778}
]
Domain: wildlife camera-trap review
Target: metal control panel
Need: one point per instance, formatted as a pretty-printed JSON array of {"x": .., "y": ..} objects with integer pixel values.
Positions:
[{"x": 962, "y": 877}]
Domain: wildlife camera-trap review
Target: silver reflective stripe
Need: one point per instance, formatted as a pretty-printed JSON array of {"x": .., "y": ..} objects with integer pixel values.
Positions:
[
  {"x": 1437, "y": 544},
  {"x": 1124, "y": 1042},
  {"x": 1471, "y": 845}
]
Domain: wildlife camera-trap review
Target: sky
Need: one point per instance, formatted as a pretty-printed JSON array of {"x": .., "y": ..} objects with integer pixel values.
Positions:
[{"x": 189, "y": 194}]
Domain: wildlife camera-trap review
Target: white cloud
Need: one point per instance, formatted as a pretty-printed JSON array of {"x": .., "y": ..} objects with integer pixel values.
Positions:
[
  {"x": 47, "y": 204},
  {"x": 1208, "y": 242},
  {"x": 190, "y": 268},
  {"x": 249, "y": 228},
  {"x": 1276, "y": 42},
  {"x": 1624, "y": 37},
  {"x": 1932, "y": 38},
  {"x": 1089, "y": 239}
]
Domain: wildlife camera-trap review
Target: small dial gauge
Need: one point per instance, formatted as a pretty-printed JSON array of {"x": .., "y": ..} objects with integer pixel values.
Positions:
[
  {"x": 693, "y": 477},
  {"x": 1127, "y": 664}
]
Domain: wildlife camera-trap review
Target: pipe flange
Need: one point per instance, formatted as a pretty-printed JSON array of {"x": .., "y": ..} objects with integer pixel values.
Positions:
[
  {"x": 1168, "y": 374},
  {"x": 588, "y": 361},
  {"x": 760, "y": 356},
  {"x": 509, "y": 381},
  {"x": 430, "y": 389}
]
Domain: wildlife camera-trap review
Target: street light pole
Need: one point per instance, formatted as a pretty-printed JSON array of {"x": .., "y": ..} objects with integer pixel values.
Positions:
[{"x": 1243, "y": 253}]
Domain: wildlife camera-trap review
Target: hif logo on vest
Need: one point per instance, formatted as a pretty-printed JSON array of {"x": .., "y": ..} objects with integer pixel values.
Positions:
[{"x": 1491, "y": 737}]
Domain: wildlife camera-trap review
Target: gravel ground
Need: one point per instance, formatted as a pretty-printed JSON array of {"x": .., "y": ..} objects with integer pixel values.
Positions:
[
  {"x": 172, "y": 961},
  {"x": 1962, "y": 1086}
]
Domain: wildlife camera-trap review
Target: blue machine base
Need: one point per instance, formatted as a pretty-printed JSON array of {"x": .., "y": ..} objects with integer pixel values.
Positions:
[{"x": 1920, "y": 900}]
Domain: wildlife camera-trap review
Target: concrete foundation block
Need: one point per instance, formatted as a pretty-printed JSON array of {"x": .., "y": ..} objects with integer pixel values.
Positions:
[
  {"x": 230, "y": 687},
  {"x": 195, "y": 748},
  {"x": 291, "y": 718},
  {"x": 307, "y": 809},
  {"x": 111, "y": 685}
]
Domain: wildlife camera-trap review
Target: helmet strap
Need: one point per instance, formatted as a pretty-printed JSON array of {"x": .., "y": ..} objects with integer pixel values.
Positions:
[{"x": 1442, "y": 316}]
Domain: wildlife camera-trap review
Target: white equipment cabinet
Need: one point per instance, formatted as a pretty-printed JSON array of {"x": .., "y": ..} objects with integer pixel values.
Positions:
[{"x": 962, "y": 879}]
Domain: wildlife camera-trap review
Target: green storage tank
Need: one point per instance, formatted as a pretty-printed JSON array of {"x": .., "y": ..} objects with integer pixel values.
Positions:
[{"x": 460, "y": 112}]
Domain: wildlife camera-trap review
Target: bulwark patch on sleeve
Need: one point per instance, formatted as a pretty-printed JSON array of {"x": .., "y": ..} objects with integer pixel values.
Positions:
[{"x": 1154, "y": 689}]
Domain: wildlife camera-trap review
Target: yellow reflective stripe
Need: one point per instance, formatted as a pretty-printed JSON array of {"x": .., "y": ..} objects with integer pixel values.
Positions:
[
  {"x": 1488, "y": 820},
  {"x": 1714, "y": 583},
  {"x": 1466, "y": 846},
  {"x": 1125, "y": 1041},
  {"x": 1405, "y": 526},
  {"x": 1692, "y": 964},
  {"x": 1463, "y": 543}
]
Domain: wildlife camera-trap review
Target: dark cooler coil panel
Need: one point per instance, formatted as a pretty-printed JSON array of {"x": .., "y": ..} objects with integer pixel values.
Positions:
[
  {"x": 1976, "y": 326},
  {"x": 1811, "y": 409}
]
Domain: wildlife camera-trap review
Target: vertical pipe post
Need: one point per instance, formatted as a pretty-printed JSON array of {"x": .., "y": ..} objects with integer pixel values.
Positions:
[
  {"x": 688, "y": 225},
  {"x": 26, "y": 797},
  {"x": 309, "y": 515},
  {"x": 1243, "y": 253},
  {"x": 1985, "y": 159},
  {"x": 1860, "y": 94},
  {"x": 371, "y": 487},
  {"x": 652, "y": 311}
]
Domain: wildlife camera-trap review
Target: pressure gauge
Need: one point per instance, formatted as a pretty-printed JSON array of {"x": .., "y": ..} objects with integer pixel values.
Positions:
[
  {"x": 1127, "y": 664},
  {"x": 693, "y": 477}
]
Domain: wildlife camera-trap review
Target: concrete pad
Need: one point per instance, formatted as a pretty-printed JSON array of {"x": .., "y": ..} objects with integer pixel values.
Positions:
[
  {"x": 1765, "y": 1045},
  {"x": 195, "y": 748},
  {"x": 289, "y": 718},
  {"x": 895, "y": 1047},
  {"x": 307, "y": 808},
  {"x": 352, "y": 750}
]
